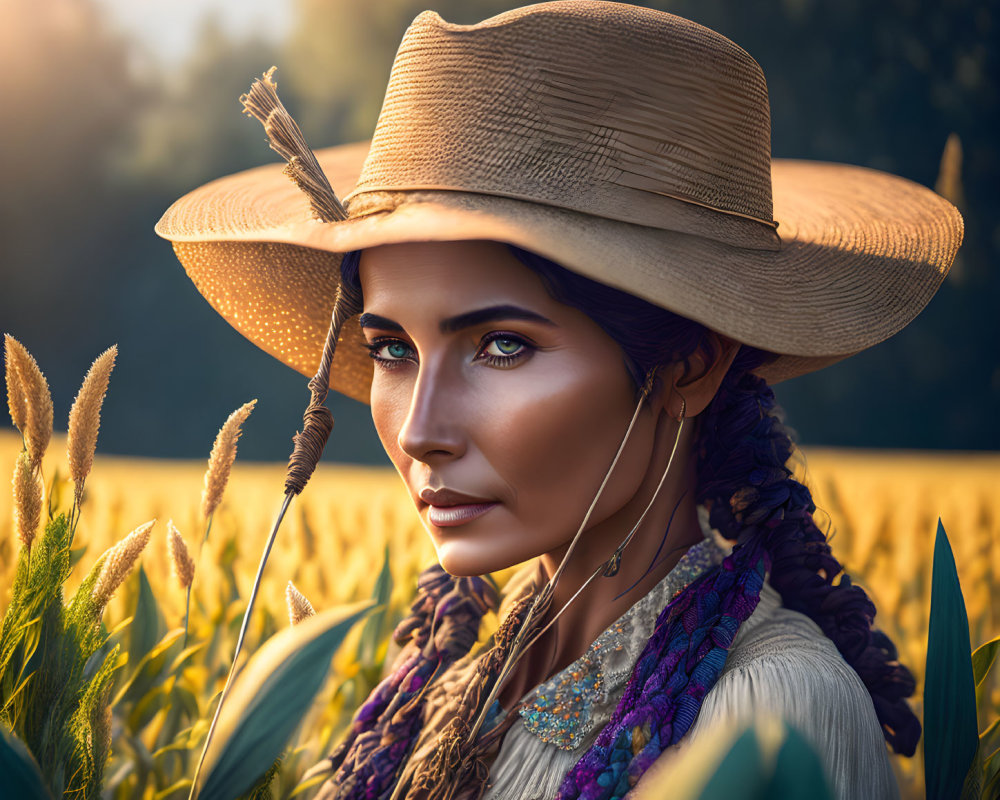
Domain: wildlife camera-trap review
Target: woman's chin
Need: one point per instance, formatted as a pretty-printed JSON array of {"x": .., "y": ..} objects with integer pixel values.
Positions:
[
  {"x": 476, "y": 547},
  {"x": 463, "y": 560}
]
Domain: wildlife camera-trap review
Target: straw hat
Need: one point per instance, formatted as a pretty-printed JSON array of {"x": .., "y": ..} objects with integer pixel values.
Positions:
[{"x": 629, "y": 145}]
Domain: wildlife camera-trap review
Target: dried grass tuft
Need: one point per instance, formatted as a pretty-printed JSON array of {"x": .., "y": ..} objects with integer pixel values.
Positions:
[
  {"x": 37, "y": 421},
  {"x": 299, "y": 608},
  {"x": 27, "y": 499},
  {"x": 85, "y": 420},
  {"x": 118, "y": 562},
  {"x": 16, "y": 401},
  {"x": 181, "y": 562},
  {"x": 220, "y": 462}
]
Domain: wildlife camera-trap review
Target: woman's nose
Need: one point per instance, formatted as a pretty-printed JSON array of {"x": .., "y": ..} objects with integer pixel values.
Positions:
[{"x": 433, "y": 425}]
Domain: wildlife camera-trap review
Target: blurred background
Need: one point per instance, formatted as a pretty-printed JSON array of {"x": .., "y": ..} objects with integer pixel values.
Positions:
[{"x": 111, "y": 109}]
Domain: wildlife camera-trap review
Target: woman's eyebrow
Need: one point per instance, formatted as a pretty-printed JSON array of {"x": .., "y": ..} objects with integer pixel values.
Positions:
[
  {"x": 375, "y": 321},
  {"x": 466, "y": 320}
]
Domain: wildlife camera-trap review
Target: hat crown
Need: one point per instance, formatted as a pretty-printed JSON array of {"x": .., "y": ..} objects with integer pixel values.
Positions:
[{"x": 605, "y": 108}]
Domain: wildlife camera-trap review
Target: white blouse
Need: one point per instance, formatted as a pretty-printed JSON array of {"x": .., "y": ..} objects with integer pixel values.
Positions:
[{"x": 780, "y": 662}]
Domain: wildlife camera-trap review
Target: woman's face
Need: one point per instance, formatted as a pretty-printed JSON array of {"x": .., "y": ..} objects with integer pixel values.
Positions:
[{"x": 488, "y": 389}]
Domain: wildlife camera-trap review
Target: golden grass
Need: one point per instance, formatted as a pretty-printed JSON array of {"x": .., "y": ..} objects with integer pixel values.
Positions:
[
  {"x": 35, "y": 402},
  {"x": 880, "y": 507},
  {"x": 85, "y": 419}
]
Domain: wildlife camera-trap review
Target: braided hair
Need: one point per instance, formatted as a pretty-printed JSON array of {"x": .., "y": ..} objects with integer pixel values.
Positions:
[{"x": 742, "y": 450}]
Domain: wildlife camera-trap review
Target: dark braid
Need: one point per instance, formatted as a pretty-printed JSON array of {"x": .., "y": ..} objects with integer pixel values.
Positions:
[
  {"x": 442, "y": 626},
  {"x": 743, "y": 451}
]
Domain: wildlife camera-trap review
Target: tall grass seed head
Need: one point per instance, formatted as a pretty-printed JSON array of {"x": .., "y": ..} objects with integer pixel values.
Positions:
[
  {"x": 17, "y": 403},
  {"x": 181, "y": 562},
  {"x": 220, "y": 462},
  {"x": 299, "y": 608},
  {"x": 85, "y": 420},
  {"x": 118, "y": 562},
  {"x": 37, "y": 423},
  {"x": 27, "y": 484}
]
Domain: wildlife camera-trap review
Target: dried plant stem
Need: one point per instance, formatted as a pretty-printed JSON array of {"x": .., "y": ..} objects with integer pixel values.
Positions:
[
  {"x": 187, "y": 616},
  {"x": 208, "y": 529},
  {"x": 239, "y": 640}
]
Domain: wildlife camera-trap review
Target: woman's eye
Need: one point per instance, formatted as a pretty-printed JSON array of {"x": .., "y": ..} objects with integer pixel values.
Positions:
[
  {"x": 389, "y": 353},
  {"x": 501, "y": 349}
]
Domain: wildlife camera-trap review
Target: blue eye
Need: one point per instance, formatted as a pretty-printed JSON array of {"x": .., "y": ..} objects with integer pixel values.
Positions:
[
  {"x": 389, "y": 353},
  {"x": 504, "y": 349},
  {"x": 507, "y": 347},
  {"x": 498, "y": 349}
]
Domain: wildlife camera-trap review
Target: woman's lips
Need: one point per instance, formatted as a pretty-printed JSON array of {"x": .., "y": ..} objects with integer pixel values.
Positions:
[{"x": 448, "y": 516}]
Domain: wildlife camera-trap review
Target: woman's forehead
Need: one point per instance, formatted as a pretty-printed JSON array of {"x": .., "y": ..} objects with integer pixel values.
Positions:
[{"x": 470, "y": 271}]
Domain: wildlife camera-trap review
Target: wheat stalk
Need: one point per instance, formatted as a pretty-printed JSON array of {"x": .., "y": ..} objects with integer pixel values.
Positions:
[
  {"x": 118, "y": 562},
  {"x": 299, "y": 608},
  {"x": 85, "y": 421},
  {"x": 220, "y": 462},
  {"x": 27, "y": 499},
  {"x": 37, "y": 420},
  {"x": 181, "y": 563},
  {"x": 16, "y": 401}
]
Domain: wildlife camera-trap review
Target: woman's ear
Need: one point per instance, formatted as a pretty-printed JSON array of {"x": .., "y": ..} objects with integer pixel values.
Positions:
[{"x": 698, "y": 380}]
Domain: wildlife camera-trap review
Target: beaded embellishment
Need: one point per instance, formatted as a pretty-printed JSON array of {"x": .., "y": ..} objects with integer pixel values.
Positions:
[{"x": 561, "y": 711}]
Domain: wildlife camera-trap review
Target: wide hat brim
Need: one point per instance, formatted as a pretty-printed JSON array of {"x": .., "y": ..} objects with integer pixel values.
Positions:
[{"x": 862, "y": 252}]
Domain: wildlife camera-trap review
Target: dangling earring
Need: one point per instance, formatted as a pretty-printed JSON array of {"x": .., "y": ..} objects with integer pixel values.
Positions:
[{"x": 613, "y": 564}]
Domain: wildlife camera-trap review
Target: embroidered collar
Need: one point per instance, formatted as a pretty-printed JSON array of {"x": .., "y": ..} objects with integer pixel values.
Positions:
[{"x": 564, "y": 710}]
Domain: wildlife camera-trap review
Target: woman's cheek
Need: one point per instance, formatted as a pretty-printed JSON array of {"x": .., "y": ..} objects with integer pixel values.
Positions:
[
  {"x": 561, "y": 434},
  {"x": 389, "y": 405}
]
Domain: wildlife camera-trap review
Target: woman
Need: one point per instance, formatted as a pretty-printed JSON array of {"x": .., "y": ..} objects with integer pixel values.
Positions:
[{"x": 572, "y": 268}]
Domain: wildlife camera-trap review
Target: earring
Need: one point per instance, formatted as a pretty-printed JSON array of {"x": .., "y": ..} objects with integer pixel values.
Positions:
[{"x": 613, "y": 564}]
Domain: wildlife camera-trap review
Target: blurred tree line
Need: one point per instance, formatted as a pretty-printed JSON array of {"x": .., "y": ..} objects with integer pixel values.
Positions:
[{"x": 97, "y": 143}]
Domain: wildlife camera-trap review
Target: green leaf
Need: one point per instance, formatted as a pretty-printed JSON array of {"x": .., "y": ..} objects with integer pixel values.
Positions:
[
  {"x": 75, "y": 554},
  {"x": 740, "y": 775},
  {"x": 268, "y": 699},
  {"x": 180, "y": 663},
  {"x": 148, "y": 626},
  {"x": 371, "y": 634},
  {"x": 992, "y": 786},
  {"x": 951, "y": 732},
  {"x": 150, "y": 671},
  {"x": 798, "y": 771},
  {"x": 21, "y": 776},
  {"x": 177, "y": 790},
  {"x": 989, "y": 749},
  {"x": 983, "y": 659}
]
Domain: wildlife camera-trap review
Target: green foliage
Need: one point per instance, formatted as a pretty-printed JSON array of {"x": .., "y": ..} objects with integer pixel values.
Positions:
[
  {"x": 950, "y": 727},
  {"x": 748, "y": 771},
  {"x": 267, "y": 701},
  {"x": 988, "y": 753},
  {"x": 21, "y": 776},
  {"x": 56, "y": 668},
  {"x": 798, "y": 772},
  {"x": 374, "y": 634}
]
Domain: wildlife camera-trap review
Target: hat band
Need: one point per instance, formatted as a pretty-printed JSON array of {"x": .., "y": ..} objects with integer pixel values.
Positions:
[{"x": 647, "y": 207}]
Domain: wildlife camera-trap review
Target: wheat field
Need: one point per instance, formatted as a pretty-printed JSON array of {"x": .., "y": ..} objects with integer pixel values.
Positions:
[{"x": 880, "y": 509}]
